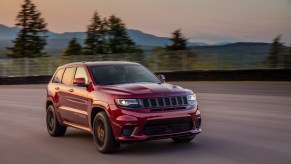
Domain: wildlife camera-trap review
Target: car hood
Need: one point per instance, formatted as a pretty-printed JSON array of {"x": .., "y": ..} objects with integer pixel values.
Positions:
[{"x": 162, "y": 89}]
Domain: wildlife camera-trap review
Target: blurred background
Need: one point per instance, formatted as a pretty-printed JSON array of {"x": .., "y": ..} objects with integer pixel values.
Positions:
[
  {"x": 234, "y": 54},
  {"x": 184, "y": 36}
]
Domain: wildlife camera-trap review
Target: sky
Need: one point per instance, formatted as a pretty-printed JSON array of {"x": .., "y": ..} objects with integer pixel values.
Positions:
[{"x": 210, "y": 21}]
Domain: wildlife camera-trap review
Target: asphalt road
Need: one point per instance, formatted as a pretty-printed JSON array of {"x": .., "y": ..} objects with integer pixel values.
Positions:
[{"x": 243, "y": 122}]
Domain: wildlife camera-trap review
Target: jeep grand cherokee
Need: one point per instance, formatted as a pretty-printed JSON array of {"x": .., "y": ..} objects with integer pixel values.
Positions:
[{"x": 119, "y": 102}]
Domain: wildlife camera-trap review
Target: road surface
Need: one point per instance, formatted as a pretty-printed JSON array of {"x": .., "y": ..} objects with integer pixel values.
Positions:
[{"x": 243, "y": 122}]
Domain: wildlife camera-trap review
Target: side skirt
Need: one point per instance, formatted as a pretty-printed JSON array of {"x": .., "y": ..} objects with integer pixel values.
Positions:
[{"x": 77, "y": 126}]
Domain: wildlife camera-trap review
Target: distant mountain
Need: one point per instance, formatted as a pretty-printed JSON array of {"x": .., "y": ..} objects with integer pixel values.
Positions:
[
  {"x": 248, "y": 52},
  {"x": 6, "y": 33},
  {"x": 222, "y": 43},
  {"x": 59, "y": 41},
  {"x": 240, "y": 54}
]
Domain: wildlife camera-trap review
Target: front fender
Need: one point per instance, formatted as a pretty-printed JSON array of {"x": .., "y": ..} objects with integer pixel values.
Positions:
[{"x": 101, "y": 105}]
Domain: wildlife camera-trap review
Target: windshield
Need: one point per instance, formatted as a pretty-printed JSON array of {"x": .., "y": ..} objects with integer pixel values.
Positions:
[{"x": 120, "y": 74}]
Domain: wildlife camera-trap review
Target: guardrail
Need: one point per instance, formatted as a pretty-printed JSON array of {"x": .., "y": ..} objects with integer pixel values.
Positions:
[
  {"x": 158, "y": 61},
  {"x": 17, "y": 80}
]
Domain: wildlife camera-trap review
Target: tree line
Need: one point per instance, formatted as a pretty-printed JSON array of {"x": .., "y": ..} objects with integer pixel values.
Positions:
[{"x": 104, "y": 36}]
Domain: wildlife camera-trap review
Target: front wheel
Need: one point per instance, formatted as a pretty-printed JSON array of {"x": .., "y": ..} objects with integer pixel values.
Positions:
[
  {"x": 183, "y": 139},
  {"x": 53, "y": 126},
  {"x": 103, "y": 135}
]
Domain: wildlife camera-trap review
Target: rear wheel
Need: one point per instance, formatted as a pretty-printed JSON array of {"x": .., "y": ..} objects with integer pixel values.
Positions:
[
  {"x": 183, "y": 139},
  {"x": 53, "y": 126},
  {"x": 103, "y": 135}
]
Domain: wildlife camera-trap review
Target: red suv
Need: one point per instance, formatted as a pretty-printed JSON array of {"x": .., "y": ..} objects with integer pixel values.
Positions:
[{"x": 119, "y": 102}]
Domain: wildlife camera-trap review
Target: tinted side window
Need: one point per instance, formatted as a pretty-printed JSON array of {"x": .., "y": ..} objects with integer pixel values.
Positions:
[
  {"x": 68, "y": 76},
  {"x": 58, "y": 76},
  {"x": 81, "y": 73}
]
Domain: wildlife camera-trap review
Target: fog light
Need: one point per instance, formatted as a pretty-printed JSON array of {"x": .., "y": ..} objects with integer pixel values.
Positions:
[
  {"x": 197, "y": 123},
  {"x": 127, "y": 131}
]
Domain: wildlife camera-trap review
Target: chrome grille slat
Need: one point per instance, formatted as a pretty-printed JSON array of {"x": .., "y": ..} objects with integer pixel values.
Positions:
[
  {"x": 171, "y": 104},
  {"x": 164, "y": 100},
  {"x": 150, "y": 105}
]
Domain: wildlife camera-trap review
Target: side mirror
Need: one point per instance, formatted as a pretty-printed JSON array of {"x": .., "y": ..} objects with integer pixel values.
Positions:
[
  {"x": 162, "y": 77},
  {"x": 79, "y": 82}
]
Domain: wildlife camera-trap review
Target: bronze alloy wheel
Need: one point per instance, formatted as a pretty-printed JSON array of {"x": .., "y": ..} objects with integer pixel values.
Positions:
[
  {"x": 103, "y": 135},
  {"x": 100, "y": 131},
  {"x": 54, "y": 128}
]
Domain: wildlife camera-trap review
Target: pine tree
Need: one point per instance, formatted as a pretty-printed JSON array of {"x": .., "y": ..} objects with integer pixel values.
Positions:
[
  {"x": 179, "y": 42},
  {"x": 177, "y": 54},
  {"x": 118, "y": 39},
  {"x": 275, "y": 52},
  {"x": 31, "y": 39},
  {"x": 74, "y": 48},
  {"x": 96, "y": 36}
]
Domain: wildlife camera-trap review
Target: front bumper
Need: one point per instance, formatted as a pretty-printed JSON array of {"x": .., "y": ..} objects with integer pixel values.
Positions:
[{"x": 137, "y": 121}]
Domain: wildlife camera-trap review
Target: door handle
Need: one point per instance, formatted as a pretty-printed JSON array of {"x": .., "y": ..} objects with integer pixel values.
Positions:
[
  {"x": 71, "y": 90},
  {"x": 57, "y": 88}
]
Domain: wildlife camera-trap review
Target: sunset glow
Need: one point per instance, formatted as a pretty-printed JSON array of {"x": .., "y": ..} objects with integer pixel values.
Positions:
[{"x": 200, "y": 20}]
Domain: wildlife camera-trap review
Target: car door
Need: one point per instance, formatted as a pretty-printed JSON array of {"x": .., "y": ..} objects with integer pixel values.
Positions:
[
  {"x": 65, "y": 108},
  {"x": 55, "y": 87},
  {"x": 79, "y": 98}
]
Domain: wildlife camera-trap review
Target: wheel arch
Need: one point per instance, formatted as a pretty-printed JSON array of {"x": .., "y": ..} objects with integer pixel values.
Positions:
[
  {"x": 48, "y": 103},
  {"x": 59, "y": 117},
  {"x": 94, "y": 111}
]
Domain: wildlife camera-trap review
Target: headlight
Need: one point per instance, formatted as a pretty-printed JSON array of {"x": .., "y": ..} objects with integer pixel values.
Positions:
[
  {"x": 127, "y": 102},
  {"x": 191, "y": 99}
]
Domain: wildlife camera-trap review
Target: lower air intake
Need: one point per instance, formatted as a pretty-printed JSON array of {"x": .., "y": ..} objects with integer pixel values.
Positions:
[{"x": 168, "y": 126}]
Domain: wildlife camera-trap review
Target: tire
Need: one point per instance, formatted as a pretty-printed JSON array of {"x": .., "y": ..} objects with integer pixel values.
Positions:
[
  {"x": 183, "y": 139},
  {"x": 53, "y": 126},
  {"x": 103, "y": 135}
]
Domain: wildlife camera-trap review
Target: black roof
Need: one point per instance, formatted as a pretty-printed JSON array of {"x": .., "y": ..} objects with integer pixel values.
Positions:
[{"x": 97, "y": 63}]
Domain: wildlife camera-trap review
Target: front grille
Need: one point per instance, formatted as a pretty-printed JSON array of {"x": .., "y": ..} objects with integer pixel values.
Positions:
[
  {"x": 168, "y": 126},
  {"x": 164, "y": 102}
]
